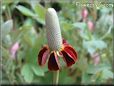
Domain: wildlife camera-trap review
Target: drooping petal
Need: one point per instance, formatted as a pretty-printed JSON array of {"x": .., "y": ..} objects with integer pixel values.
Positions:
[
  {"x": 69, "y": 61},
  {"x": 69, "y": 55},
  {"x": 70, "y": 50},
  {"x": 43, "y": 55},
  {"x": 53, "y": 63}
]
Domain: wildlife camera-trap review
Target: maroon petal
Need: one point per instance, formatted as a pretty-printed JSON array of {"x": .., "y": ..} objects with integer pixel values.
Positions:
[
  {"x": 53, "y": 63},
  {"x": 70, "y": 50},
  {"x": 43, "y": 55},
  {"x": 69, "y": 55}
]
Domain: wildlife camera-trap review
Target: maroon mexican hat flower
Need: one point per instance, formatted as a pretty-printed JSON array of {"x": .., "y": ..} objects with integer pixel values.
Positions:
[{"x": 56, "y": 48}]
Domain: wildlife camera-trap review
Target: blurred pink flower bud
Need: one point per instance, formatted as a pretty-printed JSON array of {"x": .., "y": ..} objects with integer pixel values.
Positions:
[
  {"x": 13, "y": 50},
  {"x": 90, "y": 25},
  {"x": 84, "y": 13},
  {"x": 96, "y": 58}
]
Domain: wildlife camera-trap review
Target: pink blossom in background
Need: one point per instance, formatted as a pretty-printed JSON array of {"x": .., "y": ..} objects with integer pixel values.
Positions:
[
  {"x": 84, "y": 13},
  {"x": 13, "y": 50},
  {"x": 96, "y": 58},
  {"x": 90, "y": 25}
]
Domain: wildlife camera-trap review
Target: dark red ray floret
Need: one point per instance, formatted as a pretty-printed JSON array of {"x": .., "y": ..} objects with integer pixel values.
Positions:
[
  {"x": 53, "y": 63},
  {"x": 70, "y": 50},
  {"x": 43, "y": 55},
  {"x": 69, "y": 54},
  {"x": 69, "y": 61}
]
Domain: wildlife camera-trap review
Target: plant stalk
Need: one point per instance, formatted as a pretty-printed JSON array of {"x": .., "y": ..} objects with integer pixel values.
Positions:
[{"x": 55, "y": 77}]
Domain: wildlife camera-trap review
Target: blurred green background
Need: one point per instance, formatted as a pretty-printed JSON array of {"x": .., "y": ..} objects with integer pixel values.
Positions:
[{"x": 88, "y": 29}]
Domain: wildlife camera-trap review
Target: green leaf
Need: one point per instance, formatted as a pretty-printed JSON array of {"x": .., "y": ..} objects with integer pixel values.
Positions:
[
  {"x": 82, "y": 64},
  {"x": 80, "y": 25},
  {"x": 66, "y": 26},
  {"x": 92, "y": 69},
  {"x": 99, "y": 44},
  {"x": 84, "y": 35},
  {"x": 8, "y": 1},
  {"x": 92, "y": 45},
  {"x": 64, "y": 78},
  {"x": 6, "y": 27},
  {"x": 105, "y": 11},
  {"x": 31, "y": 55},
  {"x": 25, "y": 11},
  {"x": 27, "y": 72},
  {"x": 87, "y": 45},
  {"x": 40, "y": 11},
  {"x": 7, "y": 41},
  {"x": 29, "y": 22},
  {"x": 30, "y": 36},
  {"x": 106, "y": 74},
  {"x": 38, "y": 70},
  {"x": 5, "y": 52},
  {"x": 86, "y": 78}
]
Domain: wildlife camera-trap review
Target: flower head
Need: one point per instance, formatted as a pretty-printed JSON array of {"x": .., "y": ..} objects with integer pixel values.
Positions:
[{"x": 56, "y": 46}]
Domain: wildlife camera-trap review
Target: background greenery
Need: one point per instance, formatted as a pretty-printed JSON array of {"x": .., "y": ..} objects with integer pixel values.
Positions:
[{"x": 23, "y": 22}]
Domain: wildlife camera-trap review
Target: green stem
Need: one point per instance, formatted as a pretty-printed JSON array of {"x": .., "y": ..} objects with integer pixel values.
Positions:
[
  {"x": 107, "y": 33},
  {"x": 55, "y": 77},
  {"x": 8, "y": 13}
]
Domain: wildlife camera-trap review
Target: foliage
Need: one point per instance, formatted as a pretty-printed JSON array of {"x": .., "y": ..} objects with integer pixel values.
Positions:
[{"x": 24, "y": 22}]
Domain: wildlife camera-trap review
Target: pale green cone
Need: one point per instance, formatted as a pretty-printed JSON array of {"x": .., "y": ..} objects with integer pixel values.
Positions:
[{"x": 53, "y": 31}]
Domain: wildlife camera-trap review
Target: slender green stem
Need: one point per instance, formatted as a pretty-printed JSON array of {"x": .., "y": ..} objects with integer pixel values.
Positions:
[
  {"x": 107, "y": 33},
  {"x": 55, "y": 77}
]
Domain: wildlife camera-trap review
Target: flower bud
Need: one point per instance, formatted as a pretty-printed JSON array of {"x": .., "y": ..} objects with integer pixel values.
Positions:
[
  {"x": 95, "y": 58},
  {"x": 90, "y": 25},
  {"x": 84, "y": 13},
  {"x": 14, "y": 49}
]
